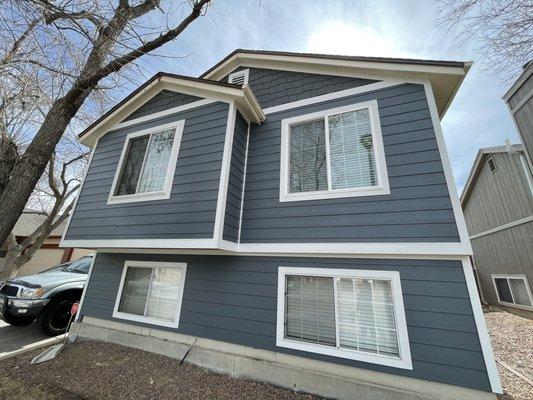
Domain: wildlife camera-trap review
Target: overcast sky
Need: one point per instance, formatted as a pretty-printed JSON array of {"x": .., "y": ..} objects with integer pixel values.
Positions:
[{"x": 478, "y": 116}]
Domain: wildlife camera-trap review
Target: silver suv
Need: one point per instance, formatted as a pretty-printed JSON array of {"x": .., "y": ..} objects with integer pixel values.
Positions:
[{"x": 46, "y": 296}]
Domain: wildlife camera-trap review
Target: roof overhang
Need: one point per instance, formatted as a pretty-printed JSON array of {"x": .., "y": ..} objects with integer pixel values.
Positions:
[
  {"x": 243, "y": 98},
  {"x": 445, "y": 76},
  {"x": 478, "y": 163},
  {"x": 526, "y": 73}
]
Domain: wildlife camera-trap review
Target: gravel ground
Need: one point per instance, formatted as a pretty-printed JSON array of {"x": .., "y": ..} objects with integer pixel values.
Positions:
[
  {"x": 512, "y": 342},
  {"x": 96, "y": 370}
]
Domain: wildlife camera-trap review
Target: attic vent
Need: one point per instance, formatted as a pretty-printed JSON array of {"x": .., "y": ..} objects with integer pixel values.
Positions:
[{"x": 239, "y": 78}]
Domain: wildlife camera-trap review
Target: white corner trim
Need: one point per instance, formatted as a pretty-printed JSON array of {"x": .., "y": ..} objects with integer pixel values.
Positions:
[
  {"x": 84, "y": 291},
  {"x": 513, "y": 276},
  {"x": 382, "y": 187},
  {"x": 244, "y": 182},
  {"x": 334, "y": 95},
  {"x": 448, "y": 172},
  {"x": 482, "y": 331},
  {"x": 503, "y": 227},
  {"x": 171, "y": 167},
  {"x": 403, "y": 361},
  {"x": 164, "y": 113},
  {"x": 527, "y": 173},
  {"x": 61, "y": 243},
  {"x": 245, "y": 73},
  {"x": 149, "y": 320},
  {"x": 218, "y": 231}
]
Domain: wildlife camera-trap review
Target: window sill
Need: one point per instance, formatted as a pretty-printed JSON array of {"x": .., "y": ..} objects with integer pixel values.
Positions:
[
  {"x": 334, "y": 194},
  {"x": 144, "y": 320},
  {"x": 345, "y": 353},
  {"x": 133, "y": 198},
  {"x": 519, "y": 306}
]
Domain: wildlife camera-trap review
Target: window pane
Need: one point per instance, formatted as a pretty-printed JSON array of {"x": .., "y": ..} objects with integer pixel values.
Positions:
[
  {"x": 135, "y": 290},
  {"x": 164, "y": 293},
  {"x": 155, "y": 168},
  {"x": 518, "y": 286},
  {"x": 366, "y": 316},
  {"x": 310, "y": 309},
  {"x": 132, "y": 166},
  {"x": 503, "y": 290},
  {"x": 307, "y": 158},
  {"x": 351, "y": 150}
]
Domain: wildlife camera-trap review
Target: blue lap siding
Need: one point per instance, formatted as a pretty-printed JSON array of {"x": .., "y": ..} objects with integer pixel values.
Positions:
[
  {"x": 236, "y": 179},
  {"x": 190, "y": 211},
  {"x": 233, "y": 299},
  {"x": 418, "y": 208}
]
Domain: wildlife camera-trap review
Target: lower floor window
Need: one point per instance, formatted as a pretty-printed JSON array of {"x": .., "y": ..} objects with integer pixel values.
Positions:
[
  {"x": 513, "y": 289},
  {"x": 151, "y": 292},
  {"x": 347, "y": 313}
]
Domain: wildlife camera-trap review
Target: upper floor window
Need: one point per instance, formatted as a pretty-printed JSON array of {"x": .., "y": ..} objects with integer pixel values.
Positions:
[
  {"x": 333, "y": 153},
  {"x": 492, "y": 165},
  {"x": 147, "y": 163},
  {"x": 351, "y": 314}
]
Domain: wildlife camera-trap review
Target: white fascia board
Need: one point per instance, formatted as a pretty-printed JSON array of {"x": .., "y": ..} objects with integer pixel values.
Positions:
[
  {"x": 284, "y": 62},
  {"x": 246, "y": 100}
]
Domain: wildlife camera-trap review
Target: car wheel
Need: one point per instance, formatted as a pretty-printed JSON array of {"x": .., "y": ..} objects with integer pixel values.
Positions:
[
  {"x": 54, "y": 319},
  {"x": 17, "y": 321}
]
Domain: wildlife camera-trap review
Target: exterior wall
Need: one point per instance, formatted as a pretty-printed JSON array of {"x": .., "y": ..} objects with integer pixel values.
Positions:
[
  {"x": 417, "y": 210},
  {"x": 236, "y": 179},
  {"x": 521, "y": 108},
  {"x": 274, "y": 87},
  {"x": 233, "y": 299},
  {"x": 504, "y": 252},
  {"x": 190, "y": 211},
  {"x": 162, "y": 101},
  {"x": 500, "y": 197}
]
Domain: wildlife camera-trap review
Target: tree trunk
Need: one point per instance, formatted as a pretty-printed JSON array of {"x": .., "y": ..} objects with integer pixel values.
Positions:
[
  {"x": 8, "y": 158},
  {"x": 13, "y": 263},
  {"x": 32, "y": 164}
]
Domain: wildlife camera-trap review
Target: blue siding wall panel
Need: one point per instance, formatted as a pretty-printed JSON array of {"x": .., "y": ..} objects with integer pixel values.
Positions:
[
  {"x": 417, "y": 210},
  {"x": 233, "y": 299},
  {"x": 275, "y": 87},
  {"x": 236, "y": 179},
  {"x": 164, "y": 100},
  {"x": 190, "y": 211}
]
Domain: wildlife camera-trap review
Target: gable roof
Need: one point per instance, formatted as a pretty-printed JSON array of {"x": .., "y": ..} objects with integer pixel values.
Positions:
[
  {"x": 481, "y": 155},
  {"x": 242, "y": 95},
  {"x": 445, "y": 76}
]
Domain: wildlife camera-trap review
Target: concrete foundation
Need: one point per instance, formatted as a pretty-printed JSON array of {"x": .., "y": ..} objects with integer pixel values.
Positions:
[{"x": 291, "y": 372}]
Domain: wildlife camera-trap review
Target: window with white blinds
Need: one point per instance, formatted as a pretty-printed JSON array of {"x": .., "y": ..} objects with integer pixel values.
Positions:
[
  {"x": 333, "y": 153},
  {"x": 346, "y": 313},
  {"x": 147, "y": 164},
  {"x": 151, "y": 292}
]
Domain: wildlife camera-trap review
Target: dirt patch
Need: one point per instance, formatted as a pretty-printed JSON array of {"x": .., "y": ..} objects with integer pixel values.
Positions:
[
  {"x": 512, "y": 343},
  {"x": 96, "y": 370}
]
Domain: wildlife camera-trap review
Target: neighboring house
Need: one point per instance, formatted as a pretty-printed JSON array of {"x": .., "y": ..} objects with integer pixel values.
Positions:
[
  {"x": 498, "y": 205},
  {"x": 294, "y": 218},
  {"x": 519, "y": 100},
  {"x": 49, "y": 254}
]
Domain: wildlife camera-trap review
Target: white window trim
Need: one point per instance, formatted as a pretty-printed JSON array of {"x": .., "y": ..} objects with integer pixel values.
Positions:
[
  {"x": 404, "y": 361},
  {"x": 244, "y": 72},
  {"x": 159, "y": 195},
  {"x": 382, "y": 187},
  {"x": 148, "y": 320},
  {"x": 495, "y": 165},
  {"x": 506, "y": 276}
]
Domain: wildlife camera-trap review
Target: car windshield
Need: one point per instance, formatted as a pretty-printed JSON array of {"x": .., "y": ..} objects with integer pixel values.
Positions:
[{"x": 80, "y": 266}]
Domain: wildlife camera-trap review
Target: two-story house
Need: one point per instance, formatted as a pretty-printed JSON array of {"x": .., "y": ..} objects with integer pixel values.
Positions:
[
  {"x": 293, "y": 218},
  {"x": 498, "y": 205}
]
